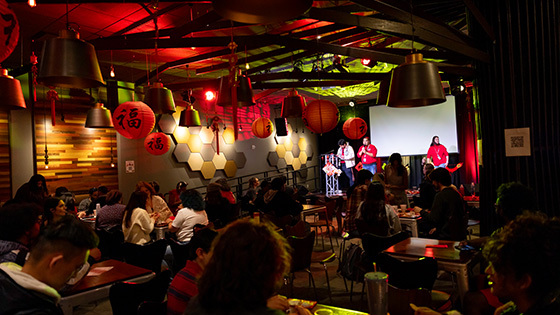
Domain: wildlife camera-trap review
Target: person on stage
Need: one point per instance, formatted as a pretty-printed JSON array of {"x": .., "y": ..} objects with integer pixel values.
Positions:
[
  {"x": 346, "y": 155},
  {"x": 437, "y": 153},
  {"x": 368, "y": 154}
]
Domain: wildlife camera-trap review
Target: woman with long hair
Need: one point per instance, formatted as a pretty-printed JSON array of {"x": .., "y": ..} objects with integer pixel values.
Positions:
[
  {"x": 247, "y": 265},
  {"x": 154, "y": 203},
  {"x": 137, "y": 222},
  {"x": 376, "y": 213},
  {"x": 54, "y": 210},
  {"x": 437, "y": 153},
  {"x": 396, "y": 179}
]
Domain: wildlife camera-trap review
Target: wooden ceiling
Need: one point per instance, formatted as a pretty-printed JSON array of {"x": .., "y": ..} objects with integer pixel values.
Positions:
[{"x": 192, "y": 42}]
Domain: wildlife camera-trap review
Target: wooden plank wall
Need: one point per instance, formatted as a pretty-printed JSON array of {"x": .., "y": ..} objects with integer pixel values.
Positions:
[
  {"x": 79, "y": 157},
  {"x": 5, "y": 173}
]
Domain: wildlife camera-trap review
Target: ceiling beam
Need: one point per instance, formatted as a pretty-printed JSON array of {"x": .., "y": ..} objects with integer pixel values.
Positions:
[
  {"x": 480, "y": 18},
  {"x": 194, "y": 25},
  {"x": 297, "y": 75},
  {"x": 296, "y": 84},
  {"x": 149, "y": 18},
  {"x": 222, "y": 41}
]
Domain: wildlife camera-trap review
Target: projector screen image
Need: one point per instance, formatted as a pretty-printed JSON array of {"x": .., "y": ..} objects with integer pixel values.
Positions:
[{"x": 409, "y": 131}]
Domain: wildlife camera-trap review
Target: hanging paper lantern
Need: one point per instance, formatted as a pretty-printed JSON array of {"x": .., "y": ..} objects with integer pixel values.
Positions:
[
  {"x": 134, "y": 120},
  {"x": 354, "y": 128},
  {"x": 320, "y": 116},
  {"x": 157, "y": 143},
  {"x": 10, "y": 34},
  {"x": 262, "y": 127}
]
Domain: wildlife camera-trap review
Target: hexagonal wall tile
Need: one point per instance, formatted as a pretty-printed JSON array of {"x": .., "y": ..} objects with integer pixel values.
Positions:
[
  {"x": 289, "y": 158},
  {"x": 208, "y": 170},
  {"x": 281, "y": 151},
  {"x": 181, "y": 134},
  {"x": 181, "y": 152},
  {"x": 167, "y": 124},
  {"x": 303, "y": 157},
  {"x": 302, "y": 143},
  {"x": 295, "y": 151},
  {"x": 309, "y": 151},
  {"x": 207, "y": 152},
  {"x": 272, "y": 158},
  {"x": 282, "y": 164},
  {"x": 295, "y": 136},
  {"x": 195, "y": 144},
  {"x": 219, "y": 161},
  {"x": 240, "y": 159},
  {"x": 230, "y": 169},
  {"x": 296, "y": 164},
  {"x": 228, "y": 150},
  {"x": 195, "y": 161},
  {"x": 206, "y": 135},
  {"x": 289, "y": 144}
]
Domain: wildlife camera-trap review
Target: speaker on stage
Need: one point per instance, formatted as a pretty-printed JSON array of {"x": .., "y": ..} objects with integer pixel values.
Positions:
[{"x": 281, "y": 127}]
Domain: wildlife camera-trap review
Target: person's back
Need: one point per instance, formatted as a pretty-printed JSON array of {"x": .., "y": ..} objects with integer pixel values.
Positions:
[
  {"x": 19, "y": 227},
  {"x": 451, "y": 223}
]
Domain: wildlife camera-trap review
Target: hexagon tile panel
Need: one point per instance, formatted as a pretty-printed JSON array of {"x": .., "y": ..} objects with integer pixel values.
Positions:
[
  {"x": 195, "y": 161},
  {"x": 167, "y": 124},
  {"x": 208, "y": 170},
  {"x": 291, "y": 151},
  {"x": 181, "y": 152},
  {"x": 219, "y": 161},
  {"x": 230, "y": 169}
]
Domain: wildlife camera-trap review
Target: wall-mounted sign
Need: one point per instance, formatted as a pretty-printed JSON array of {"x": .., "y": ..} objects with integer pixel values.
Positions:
[
  {"x": 130, "y": 166},
  {"x": 518, "y": 142}
]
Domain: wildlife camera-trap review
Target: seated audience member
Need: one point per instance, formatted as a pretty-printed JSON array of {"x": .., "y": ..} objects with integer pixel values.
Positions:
[
  {"x": 427, "y": 190},
  {"x": 101, "y": 199},
  {"x": 357, "y": 195},
  {"x": 174, "y": 196},
  {"x": 84, "y": 204},
  {"x": 379, "y": 216},
  {"x": 20, "y": 224},
  {"x": 447, "y": 218},
  {"x": 60, "y": 251},
  {"x": 279, "y": 203},
  {"x": 524, "y": 266},
  {"x": 219, "y": 210},
  {"x": 192, "y": 214},
  {"x": 34, "y": 191},
  {"x": 54, "y": 210},
  {"x": 111, "y": 214},
  {"x": 225, "y": 190},
  {"x": 69, "y": 200},
  {"x": 154, "y": 203},
  {"x": 248, "y": 200},
  {"x": 137, "y": 222},
  {"x": 184, "y": 284},
  {"x": 255, "y": 258},
  {"x": 263, "y": 189}
]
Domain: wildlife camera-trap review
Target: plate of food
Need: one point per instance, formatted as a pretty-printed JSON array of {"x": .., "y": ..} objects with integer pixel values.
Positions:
[{"x": 303, "y": 303}]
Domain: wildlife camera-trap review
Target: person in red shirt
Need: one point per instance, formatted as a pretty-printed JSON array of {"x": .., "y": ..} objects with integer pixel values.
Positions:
[
  {"x": 437, "y": 153},
  {"x": 368, "y": 154}
]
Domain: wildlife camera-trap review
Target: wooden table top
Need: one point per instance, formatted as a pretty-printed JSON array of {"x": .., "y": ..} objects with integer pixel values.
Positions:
[
  {"x": 422, "y": 247},
  {"x": 120, "y": 272},
  {"x": 312, "y": 207}
]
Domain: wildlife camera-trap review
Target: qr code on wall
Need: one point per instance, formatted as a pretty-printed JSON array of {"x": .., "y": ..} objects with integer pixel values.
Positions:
[{"x": 517, "y": 142}]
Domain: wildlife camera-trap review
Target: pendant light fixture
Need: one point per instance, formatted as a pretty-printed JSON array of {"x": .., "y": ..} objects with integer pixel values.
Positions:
[
  {"x": 244, "y": 92},
  {"x": 69, "y": 62},
  {"x": 99, "y": 117},
  {"x": 293, "y": 105},
  {"x": 10, "y": 89},
  {"x": 189, "y": 117},
  {"x": 416, "y": 82},
  {"x": 160, "y": 99},
  {"x": 261, "y": 12}
]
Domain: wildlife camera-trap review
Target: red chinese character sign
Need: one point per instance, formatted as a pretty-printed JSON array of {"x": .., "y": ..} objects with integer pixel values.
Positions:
[
  {"x": 157, "y": 143},
  {"x": 262, "y": 127},
  {"x": 9, "y": 30},
  {"x": 320, "y": 116},
  {"x": 354, "y": 128},
  {"x": 134, "y": 120}
]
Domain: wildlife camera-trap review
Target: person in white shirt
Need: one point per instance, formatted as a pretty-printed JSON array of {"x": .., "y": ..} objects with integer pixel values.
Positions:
[
  {"x": 137, "y": 222},
  {"x": 347, "y": 162},
  {"x": 190, "y": 215}
]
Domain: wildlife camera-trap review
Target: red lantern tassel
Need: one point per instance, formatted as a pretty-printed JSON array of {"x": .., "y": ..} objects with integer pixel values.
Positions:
[{"x": 52, "y": 96}]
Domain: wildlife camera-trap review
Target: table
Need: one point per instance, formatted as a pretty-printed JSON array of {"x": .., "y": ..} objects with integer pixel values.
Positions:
[
  {"x": 449, "y": 258},
  {"x": 412, "y": 222},
  {"x": 336, "y": 310},
  {"x": 311, "y": 210},
  {"x": 93, "y": 288}
]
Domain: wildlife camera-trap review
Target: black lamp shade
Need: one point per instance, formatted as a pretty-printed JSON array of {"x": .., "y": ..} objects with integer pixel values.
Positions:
[
  {"x": 189, "y": 118},
  {"x": 10, "y": 91},
  {"x": 415, "y": 83},
  {"x": 259, "y": 11},
  {"x": 383, "y": 91},
  {"x": 67, "y": 61},
  {"x": 160, "y": 99},
  {"x": 293, "y": 105},
  {"x": 99, "y": 117},
  {"x": 245, "y": 92}
]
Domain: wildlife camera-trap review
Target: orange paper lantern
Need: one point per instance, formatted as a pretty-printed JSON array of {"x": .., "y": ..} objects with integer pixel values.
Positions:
[
  {"x": 134, "y": 120},
  {"x": 354, "y": 128},
  {"x": 262, "y": 127},
  {"x": 320, "y": 116},
  {"x": 10, "y": 34},
  {"x": 157, "y": 143}
]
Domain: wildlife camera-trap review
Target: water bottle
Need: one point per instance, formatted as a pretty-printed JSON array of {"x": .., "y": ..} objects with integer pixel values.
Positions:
[{"x": 97, "y": 207}]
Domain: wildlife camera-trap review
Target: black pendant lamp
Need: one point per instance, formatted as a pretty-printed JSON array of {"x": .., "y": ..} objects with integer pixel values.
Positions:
[
  {"x": 245, "y": 92},
  {"x": 293, "y": 105},
  {"x": 99, "y": 117},
  {"x": 160, "y": 99},
  {"x": 224, "y": 93},
  {"x": 415, "y": 83},
  {"x": 189, "y": 118},
  {"x": 69, "y": 62},
  {"x": 261, "y": 12},
  {"x": 383, "y": 91},
  {"x": 10, "y": 91}
]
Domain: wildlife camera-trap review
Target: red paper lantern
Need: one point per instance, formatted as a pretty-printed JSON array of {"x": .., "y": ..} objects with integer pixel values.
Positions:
[
  {"x": 10, "y": 34},
  {"x": 354, "y": 128},
  {"x": 157, "y": 143},
  {"x": 320, "y": 116},
  {"x": 134, "y": 120},
  {"x": 262, "y": 127}
]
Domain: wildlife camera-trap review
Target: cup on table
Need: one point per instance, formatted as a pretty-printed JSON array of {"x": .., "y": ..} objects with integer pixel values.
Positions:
[
  {"x": 323, "y": 311},
  {"x": 403, "y": 208}
]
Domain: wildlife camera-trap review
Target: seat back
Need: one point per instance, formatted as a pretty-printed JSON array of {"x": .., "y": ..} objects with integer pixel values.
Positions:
[
  {"x": 331, "y": 207},
  {"x": 147, "y": 256},
  {"x": 125, "y": 297},
  {"x": 375, "y": 244},
  {"x": 406, "y": 275},
  {"x": 301, "y": 229},
  {"x": 111, "y": 242},
  {"x": 302, "y": 249},
  {"x": 180, "y": 254},
  {"x": 399, "y": 300}
]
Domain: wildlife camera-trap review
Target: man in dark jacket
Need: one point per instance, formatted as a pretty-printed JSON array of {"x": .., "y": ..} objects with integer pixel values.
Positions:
[
  {"x": 19, "y": 227},
  {"x": 60, "y": 251}
]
